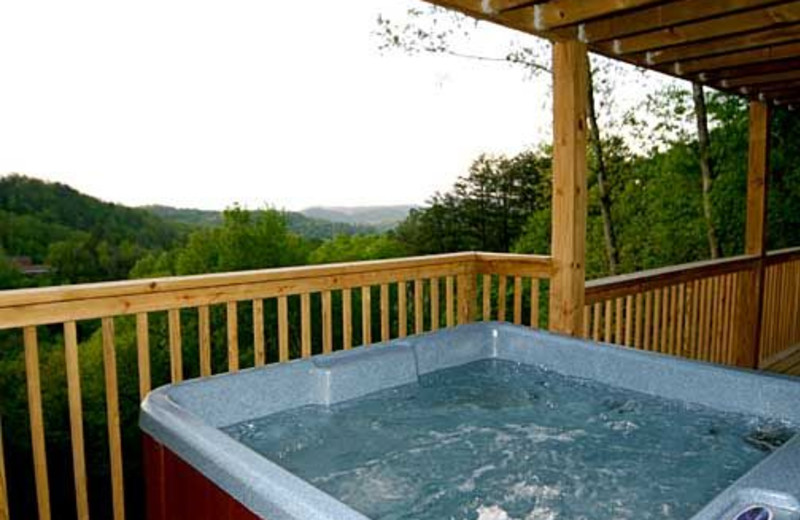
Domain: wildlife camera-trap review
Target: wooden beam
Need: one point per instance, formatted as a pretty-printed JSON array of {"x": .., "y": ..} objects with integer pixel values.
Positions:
[
  {"x": 570, "y": 96},
  {"x": 757, "y": 19},
  {"x": 757, "y": 69},
  {"x": 661, "y": 16},
  {"x": 562, "y": 13},
  {"x": 738, "y": 59},
  {"x": 727, "y": 45},
  {"x": 749, "y": 309},
  {"x": 765, "y": 79}
]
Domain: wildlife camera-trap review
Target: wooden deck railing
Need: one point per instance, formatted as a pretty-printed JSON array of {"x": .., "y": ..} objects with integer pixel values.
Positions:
[
  {"x": 685, "y": 310},
  {"x": 694, "y": 310},
  {"x": 780, "y": 324},
  {"x": 200, "y": 325},
  {"x": 288, "y": 313}
]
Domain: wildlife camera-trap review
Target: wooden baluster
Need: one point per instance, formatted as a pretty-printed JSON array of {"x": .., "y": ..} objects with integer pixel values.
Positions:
[
  {"x": 639, "y": 340},
  {"x": 665, "y": 304},
  {"x": 648, "y": 319},
  {"x": 673, "y": 318},
  {"x": 143, "y": 354},
  {"x": 781, "y": 341},
  {"x": 716, "y": 314},
  {"x": 535, "y": 303},
  {"x": 259, "y": 341},
  {"x": 619, "y": 322},
  {"x": 694, "y": 333},
  {"x": 518, "y": 300},
  {"x": 283, "y": 329},
  {"x": 608, "y": 319},
  {"x": 597, "y": 316},
  {"x": 795, "y": 308},
  {"x": 487, "y": 297},
  {"x": 402, "y": 310},
  {"x": 76, "y": 418},
  {"x": 204, "y": 339},
  {"x": 725, "y": 323},
  {"x": 629, "y": 320},
  {"x": 418, "y": 310},
  {"x": 587, "y": 320},
  {"x": 710, "y": 295},
  {"x": 366, "y": 315},
  {"x": 466, "y": 291},
  {"x": 449, "y": 307},
  {"x": 385, "y": 312},
  {"x": 36, "y": 421},
  {"x": 705, "y": 311},
  {"x": 233, "y": 336},
  {"x": 112, "y": 416},
  {"x": 305, "y": 325},
  {"x": 680, "y": 342},
  {"x": 722, "y": 300},
  {"x": 347, "y": 319},
  {"x": 501, "y": 298},
  {"x": 656, "y": 341},
  {"x": 4, "y": 513},
  {"x": 435, "y": 303},
  {"x": 175, "y": 352},
  {"x": 327, "y": 323}
]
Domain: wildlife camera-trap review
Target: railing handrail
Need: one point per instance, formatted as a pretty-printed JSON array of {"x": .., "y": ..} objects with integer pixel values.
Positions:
[
  {"x": 41, "y": 306},
  {"x": 783, "y": 255},
  {"x": 641, "y": 281}
]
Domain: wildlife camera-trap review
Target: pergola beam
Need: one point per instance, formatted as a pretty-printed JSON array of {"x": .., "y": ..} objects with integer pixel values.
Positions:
[
  {"x": 661, "y": 16},
  {"x": 766, "y": 54},
  {"x": 757, "y": 19},
  {"x": 562, "y": 13},
  {"x": 727, "y": 45},
  {"x": 754, "y": 81}
]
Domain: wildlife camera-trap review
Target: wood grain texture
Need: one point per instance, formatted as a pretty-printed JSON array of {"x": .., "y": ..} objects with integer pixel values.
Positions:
[
  {"x": 143, "y": 353},
  {"x": 36, "y": 421},
  {"x": 76, "y": 419},
  {"x": 175, "y": 346},
  {"x": 113, "y": 419},
  {"x": 570, "y": 94}
]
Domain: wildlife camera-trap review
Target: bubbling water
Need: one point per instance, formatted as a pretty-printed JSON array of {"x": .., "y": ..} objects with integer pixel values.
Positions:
[{"x": 495, "y": 440}]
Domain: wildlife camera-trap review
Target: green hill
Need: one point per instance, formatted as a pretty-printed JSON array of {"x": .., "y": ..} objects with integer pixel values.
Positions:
[
  {"x": 81, "y": 237},
  {"x": 380, "y": 217},
  {"x": 298, "y": 223}
]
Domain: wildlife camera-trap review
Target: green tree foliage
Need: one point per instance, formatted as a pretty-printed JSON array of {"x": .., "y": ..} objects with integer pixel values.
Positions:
[
  {"x": 486, "y": 209},
  {"x": 345, "y": 248}
]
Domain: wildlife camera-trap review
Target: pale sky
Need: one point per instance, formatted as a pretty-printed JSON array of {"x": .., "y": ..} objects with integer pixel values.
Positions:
[{"x": 202, "y": 103}]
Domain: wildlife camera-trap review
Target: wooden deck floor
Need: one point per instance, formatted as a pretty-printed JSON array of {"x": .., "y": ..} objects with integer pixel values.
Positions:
[{"x": 788, "y": 363}]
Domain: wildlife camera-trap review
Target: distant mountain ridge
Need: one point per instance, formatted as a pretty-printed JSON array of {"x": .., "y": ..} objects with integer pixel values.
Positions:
[
  {"x": 305, "y": 226},
  {"x": 382, "y": 217}
]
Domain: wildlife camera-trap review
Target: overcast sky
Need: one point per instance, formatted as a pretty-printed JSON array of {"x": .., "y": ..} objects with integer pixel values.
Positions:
[{"x": 202, "y": 103}]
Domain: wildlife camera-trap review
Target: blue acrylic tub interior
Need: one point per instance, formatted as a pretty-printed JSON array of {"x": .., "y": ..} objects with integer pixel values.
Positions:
[{"x": 189, "y": 418}]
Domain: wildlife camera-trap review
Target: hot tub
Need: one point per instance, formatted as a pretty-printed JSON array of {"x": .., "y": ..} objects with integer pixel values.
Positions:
[{"x": 494, "y": 421}]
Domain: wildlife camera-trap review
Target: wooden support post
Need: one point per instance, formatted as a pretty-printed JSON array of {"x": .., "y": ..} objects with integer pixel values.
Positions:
[
  {"x": 467, "y": 287},
  {"x": 570, "y": 95},
  {"x": 746, "y": 344}
]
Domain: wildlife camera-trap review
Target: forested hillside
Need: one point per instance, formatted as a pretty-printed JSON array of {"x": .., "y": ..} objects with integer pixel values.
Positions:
[
  {"x": 82, "y": 238},
  {"x": 306, "y": 226}
]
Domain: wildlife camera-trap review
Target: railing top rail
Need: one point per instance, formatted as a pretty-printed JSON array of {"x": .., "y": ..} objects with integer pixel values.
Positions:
[
  {"x": 66, "y": 293},
  {"x": 42, "y": 306},
  {"x": 780, "y": 256},
  {"x": 621, "y": 285}
]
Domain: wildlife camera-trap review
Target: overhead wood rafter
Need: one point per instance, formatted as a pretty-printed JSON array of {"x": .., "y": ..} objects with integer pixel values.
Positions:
[{"x": 748, "y": 47}]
